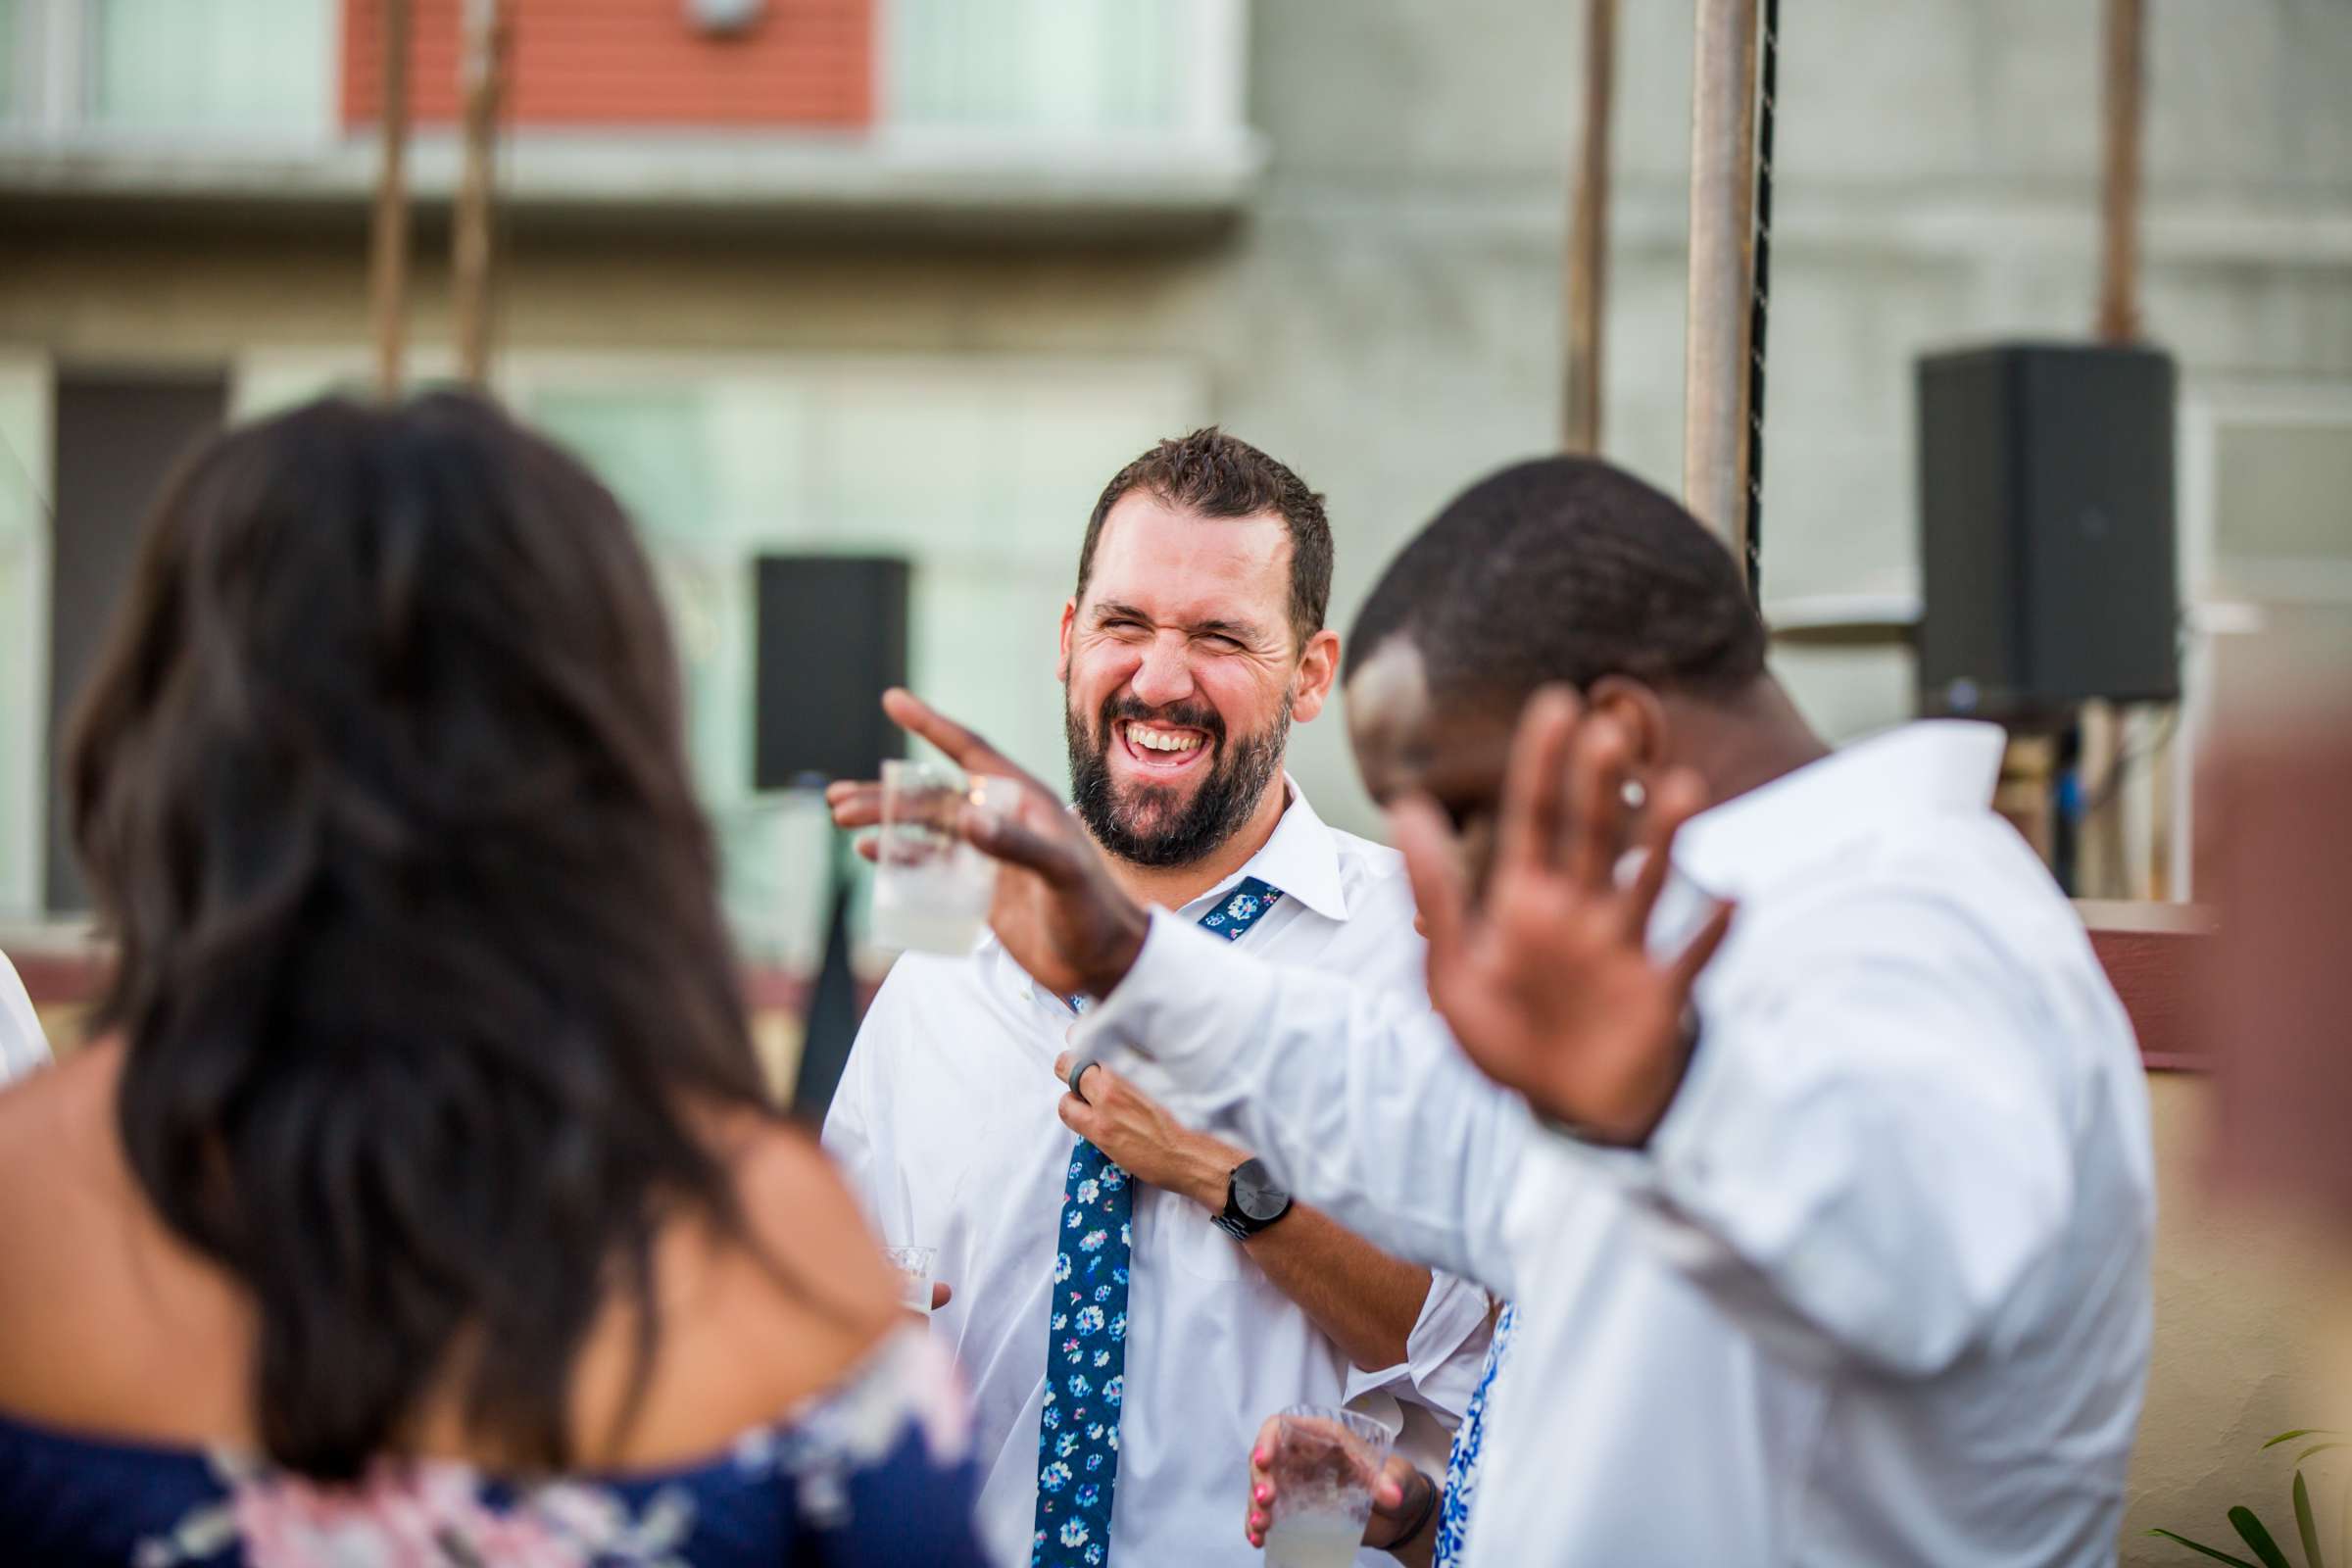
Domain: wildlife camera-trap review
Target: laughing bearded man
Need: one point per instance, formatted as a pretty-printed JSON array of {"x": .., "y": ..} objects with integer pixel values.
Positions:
[{"x": 1131, "y": 1298}]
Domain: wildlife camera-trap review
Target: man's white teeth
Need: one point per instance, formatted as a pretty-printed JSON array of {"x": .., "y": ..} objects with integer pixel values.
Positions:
[{"x": 1156, "y": 741}]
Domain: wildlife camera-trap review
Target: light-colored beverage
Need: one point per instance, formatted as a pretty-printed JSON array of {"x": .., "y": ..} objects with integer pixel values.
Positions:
[
  {"x": 1322, "y": 1468},
  {"x": 931, "y": 889},
  {"x": 912, "y": 922},
  {"x": 1316, "y": 1538}
]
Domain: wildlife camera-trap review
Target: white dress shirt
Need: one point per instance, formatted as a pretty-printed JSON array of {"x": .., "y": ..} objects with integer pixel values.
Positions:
[
  {"x": 1877, "y": 1292},
  {"x": 23, "y": 1044},
  {"x": 945, "y": 1123}
]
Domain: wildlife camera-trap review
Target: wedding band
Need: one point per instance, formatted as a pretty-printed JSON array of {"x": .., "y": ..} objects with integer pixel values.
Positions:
[{"x": 1078, "y": 1071}]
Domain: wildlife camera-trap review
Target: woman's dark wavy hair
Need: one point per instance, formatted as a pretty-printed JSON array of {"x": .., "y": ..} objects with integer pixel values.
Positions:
[{"x": 381, "y": 788}]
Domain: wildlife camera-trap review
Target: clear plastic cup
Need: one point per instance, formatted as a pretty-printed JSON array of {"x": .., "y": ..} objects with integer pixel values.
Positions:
[
  {"x": 931, "y": 889},
  {"x": 914, "y": 1265},
  {"x": 1324, "y": 1463}
]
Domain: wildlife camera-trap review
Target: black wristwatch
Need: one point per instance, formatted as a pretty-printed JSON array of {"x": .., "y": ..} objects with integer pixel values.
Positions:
[{"x": 1253, "y": 1200}]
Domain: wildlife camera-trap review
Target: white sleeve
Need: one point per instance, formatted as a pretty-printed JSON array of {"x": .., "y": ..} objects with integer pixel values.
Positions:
[
  {"x": 857, "y": 1128},
  {"x": 1445, "y": 1353},
  {"x": 1356, "y": 1098},
  {"x": 23, "y": 1044},
  {"x": 1870, "y": 1151}
]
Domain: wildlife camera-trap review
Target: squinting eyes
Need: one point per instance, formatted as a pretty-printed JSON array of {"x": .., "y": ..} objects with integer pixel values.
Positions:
[{"x": 1215, "y": 640}]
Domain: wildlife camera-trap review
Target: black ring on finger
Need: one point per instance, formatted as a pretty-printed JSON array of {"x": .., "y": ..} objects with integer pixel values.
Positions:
[{"x": 1078, "y": 1071}]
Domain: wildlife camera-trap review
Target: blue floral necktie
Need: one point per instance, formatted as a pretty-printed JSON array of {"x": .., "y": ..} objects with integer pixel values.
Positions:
[
  {"x": 1462, "y": 1463},
  {"x": 1086, "y": 1348}
]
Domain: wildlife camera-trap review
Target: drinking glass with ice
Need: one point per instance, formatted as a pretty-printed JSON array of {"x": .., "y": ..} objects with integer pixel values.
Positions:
[
  {"x": 931, "y": 888},
  {"x": 914, "y": 1265},
  {"x": 1323, "y": 1466}
]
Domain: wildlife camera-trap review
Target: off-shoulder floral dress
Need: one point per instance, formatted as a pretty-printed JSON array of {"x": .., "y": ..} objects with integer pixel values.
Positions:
[{"x": 877, "y": 1473}]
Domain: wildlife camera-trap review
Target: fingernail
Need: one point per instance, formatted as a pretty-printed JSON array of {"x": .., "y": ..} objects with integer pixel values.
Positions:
[
  {"x": 1260, "y": 1456},
  {"x": 1257, "y": 1493}
]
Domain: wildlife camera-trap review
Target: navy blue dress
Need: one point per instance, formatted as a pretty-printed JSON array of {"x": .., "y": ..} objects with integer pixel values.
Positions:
[{"x": 877, "y": 1473}]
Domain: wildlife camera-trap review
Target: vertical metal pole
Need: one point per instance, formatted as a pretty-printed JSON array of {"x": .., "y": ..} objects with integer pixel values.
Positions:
[
  {"x": 1589, "y": 236},
  {"x": 388, "y": 271},
  {"x": 2119, "y": 201},
  {"x": 2105, "y": 867},
  {"x": 470, "y": 241},
  {"x": 1759, "y": 315},
  {"x": 1723, "y": 191}
]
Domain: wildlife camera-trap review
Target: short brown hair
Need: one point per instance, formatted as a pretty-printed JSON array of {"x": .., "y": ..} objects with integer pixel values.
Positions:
[{"x": 1219, "y": 475}]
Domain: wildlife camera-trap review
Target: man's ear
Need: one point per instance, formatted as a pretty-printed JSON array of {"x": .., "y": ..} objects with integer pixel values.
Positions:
[
  {"x": 1318, "y": 668},
  {"x": 1635, "y": 708},
  {"x": 1070, "y": 619}
]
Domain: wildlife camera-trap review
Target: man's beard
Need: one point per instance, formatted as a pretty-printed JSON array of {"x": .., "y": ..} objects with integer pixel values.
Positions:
[{"x": 1150, "y": 826}]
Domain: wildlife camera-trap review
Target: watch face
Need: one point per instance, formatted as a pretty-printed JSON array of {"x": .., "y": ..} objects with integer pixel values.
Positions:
[{"x": 1256, "y": 1193}]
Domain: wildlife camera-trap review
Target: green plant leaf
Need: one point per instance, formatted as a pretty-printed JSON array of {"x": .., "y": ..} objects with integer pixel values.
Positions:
[
  {"x": 2307, "y": 1526},
  {"x": 2251, "y": 1531},
  {"x": 2218, "y": 1556},
  {"x": 2319, "y": 1448},
  {"x": 2302, "y": 1431}
]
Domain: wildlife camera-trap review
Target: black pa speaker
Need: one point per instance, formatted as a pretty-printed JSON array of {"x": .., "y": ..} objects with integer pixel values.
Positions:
[
  {"x": 2046, "y": 548},
  {"x": 832, "y": 638}
]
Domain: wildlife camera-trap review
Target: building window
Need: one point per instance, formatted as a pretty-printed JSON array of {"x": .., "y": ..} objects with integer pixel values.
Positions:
[
  {"x": 1154, "y": 67},
  {"x": 235, "y": 70}
]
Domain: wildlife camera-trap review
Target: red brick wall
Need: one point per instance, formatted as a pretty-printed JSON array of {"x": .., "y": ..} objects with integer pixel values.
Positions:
[{"x": 634, "y": 63}]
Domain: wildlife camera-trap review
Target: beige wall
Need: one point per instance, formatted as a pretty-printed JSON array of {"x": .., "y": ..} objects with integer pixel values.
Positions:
[{"x": 2239, "y": 1309}]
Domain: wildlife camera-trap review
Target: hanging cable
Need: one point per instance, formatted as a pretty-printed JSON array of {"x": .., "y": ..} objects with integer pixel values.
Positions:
[{"x": 1760, "y": 297}]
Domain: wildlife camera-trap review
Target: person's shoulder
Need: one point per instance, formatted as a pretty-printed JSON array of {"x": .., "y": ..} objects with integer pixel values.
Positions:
[
  {"x": 760, "y": 1312},
  {"x": 44, "y": 1114},
  {"x": 1373, "y": 877},
  {"x": 63, "y": 1180},
  {"x": 1970, "y": 863},
  {"x": 798, "y": 1212},
  {"x": 1962, "y": 886}
]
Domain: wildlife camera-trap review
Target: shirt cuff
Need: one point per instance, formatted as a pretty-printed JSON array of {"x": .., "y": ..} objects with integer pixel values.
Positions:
[
  {"x": 1182, "y": 1015},
  {"x": 1446, "y": 1354}
]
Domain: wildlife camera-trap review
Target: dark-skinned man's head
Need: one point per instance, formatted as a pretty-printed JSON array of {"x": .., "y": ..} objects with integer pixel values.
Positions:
[{"x": 1559, "y": 570}]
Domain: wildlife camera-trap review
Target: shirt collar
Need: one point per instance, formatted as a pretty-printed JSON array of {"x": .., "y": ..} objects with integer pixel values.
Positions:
[
  {"x": 1928, "y": 769},
  {"x": 1301, "y": 858}
]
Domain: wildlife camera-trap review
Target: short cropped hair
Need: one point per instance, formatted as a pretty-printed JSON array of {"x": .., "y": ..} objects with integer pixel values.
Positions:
[
  {"x": 1219, "y": 475},
  {"x": 1564, "y": 568}
]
